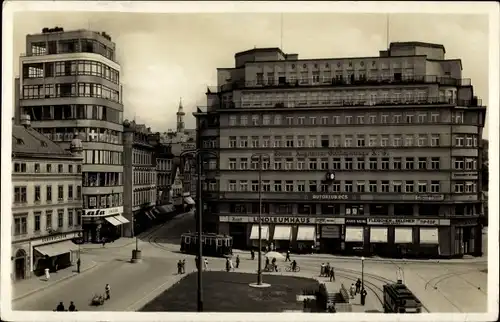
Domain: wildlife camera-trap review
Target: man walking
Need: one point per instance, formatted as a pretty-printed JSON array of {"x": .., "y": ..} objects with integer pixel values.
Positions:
[
  {"x": 78, "y": 263},
  {"x": 237, "y": 261},
  {"x": 332, "y": 274},
  {"x": 363, "y": 296},
  {"x": 287, "y": 256},
  {"x": 358, "y": 286},
  {"x": 183, "y": 266}
]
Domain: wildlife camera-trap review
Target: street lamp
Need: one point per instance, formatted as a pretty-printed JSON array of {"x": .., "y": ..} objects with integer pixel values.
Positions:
[
  {"x": 362, "y": 272},
  {"x": 259, "y": 260},
  {"x": 197, "y": 154}
]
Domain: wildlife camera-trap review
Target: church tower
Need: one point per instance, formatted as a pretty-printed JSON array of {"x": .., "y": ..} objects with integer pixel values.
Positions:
[{"x": 180, "y": 118}]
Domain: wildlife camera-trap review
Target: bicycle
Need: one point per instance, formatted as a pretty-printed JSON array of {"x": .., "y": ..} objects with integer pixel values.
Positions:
[{"x": 289, "y": 269}]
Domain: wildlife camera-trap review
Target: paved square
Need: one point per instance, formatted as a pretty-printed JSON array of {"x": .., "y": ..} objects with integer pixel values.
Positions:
[{"x": 230, "y": 292}]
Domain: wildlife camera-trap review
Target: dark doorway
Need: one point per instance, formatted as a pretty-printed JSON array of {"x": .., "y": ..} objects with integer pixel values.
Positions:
[{"x": 20, "y": 265}]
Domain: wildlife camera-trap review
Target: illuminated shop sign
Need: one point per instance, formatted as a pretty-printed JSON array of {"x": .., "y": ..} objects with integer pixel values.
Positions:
[
  {"x": 332, "y": 152},
  {"x": 408, "y": 222},
  {"x": 290, "y": 220},
  {"x": 330, "y": 197},
  {"x": 102, "y": 212},
  {"x": 355, "y": 221},
  {"x": 429, "y": 197}
]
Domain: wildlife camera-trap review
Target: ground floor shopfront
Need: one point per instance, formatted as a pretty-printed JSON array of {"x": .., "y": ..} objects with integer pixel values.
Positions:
[
  {"x": 388, "y": 237},
  {"x": 103, "y": 224},
  {"x": 56, "y": 251}
]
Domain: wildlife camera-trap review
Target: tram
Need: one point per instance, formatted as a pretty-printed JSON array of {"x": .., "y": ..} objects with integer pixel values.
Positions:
[
  {"x": 213, "y": 244},
  {"x": 399, "y": 299}
]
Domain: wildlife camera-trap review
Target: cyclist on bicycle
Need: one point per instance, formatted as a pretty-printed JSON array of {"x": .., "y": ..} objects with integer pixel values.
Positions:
[{"x": 294, "y": 265}]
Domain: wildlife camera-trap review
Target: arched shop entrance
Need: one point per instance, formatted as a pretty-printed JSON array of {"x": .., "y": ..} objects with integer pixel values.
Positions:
[{"x": 20, "y": 265}]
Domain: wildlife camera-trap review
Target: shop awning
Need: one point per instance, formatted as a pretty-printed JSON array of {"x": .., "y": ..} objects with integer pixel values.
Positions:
[
  {"x": 189, "y": 200},
  {"x": 113, "y": 221},
  {"x": 254, "y": 234},
  {"x": 354, "y": 234},
  {"x": 403, "y": 235},
  {"x": 282, "y": 232},
  {"x": 164, "y": 209},
  {"x": 429, "y": 236},
  {"x": 55, "y": 249},
  {"x": 121, "y": 219},
  {"x": 306, "y": 233},
  {"x": 378, "y": 235}
]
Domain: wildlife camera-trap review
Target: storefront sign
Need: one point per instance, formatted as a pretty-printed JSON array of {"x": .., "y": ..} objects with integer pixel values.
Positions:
[
  {"x": 332, "y": 152},
  {"x": 330, "y": 221},
  {"x": 355, "y": 221},
  {"x": 408, "y": 222},
  {"x": 469, "y": 222},
  {"x": 429, "y": 197},
  {"x": 285, "y": 220},
  {"x": 464, "y": 175},
  {"x": 330, "y": 232},
  {"x": 55, "y": 238},
  {"x": 188, "y": 146},
  {"x": 330, "y": 197},
  {"x": 102, "y": 212}
]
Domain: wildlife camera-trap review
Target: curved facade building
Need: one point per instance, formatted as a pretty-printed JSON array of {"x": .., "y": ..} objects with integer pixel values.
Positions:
[{"x": 70, "y": 86}]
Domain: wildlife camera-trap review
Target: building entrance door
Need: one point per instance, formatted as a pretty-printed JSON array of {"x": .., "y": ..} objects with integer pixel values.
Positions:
[{"x": 20, "y": 265}]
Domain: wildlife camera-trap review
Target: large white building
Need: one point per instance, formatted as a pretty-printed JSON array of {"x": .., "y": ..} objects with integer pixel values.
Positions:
[{"x": 47, "y": 205}]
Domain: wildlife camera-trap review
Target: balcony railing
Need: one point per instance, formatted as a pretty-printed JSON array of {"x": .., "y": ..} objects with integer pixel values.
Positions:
[
  {"x": 283, "y": 82},
  {"x": 350, "y": 101}
]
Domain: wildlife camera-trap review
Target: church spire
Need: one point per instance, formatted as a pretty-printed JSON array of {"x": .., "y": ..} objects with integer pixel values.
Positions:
[{"x": 180, "y": 117}]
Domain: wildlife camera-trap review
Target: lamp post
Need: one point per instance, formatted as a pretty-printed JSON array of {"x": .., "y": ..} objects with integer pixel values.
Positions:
[
  {"x": 197, "y": 154},
  {"x": 362, "y": 272},
  {"x": 259, "y": 259}
]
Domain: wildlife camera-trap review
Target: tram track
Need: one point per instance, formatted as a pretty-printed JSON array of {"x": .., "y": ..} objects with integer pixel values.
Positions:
[{"x": 441, "y": 278}]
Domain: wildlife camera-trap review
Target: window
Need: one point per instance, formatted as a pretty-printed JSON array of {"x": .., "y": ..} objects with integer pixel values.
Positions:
[
  {"x": 385, "y": 186},
  {"x": 37, "y": 217},
  {"x": 360, "y": 141},
  {"x": 384, "y": 141},
  {"x": 255, "y": 141},
  {"x": 20, "y": 195},
  {"x": 324, "y": 187},
  {"x": 435, "y": 187},
  {"x": 459, "y": 141},
  {"x": 70, "y": 217},
  {"x": 373, "y": 119},
  {"x": 301, "y": 141},
  {"x": 372, "y": 140},
  {"x": 60, "y": 168},
  {"x": 232, "y": 141},
  {"x": 255, "y": 186},
  {"x": 422, "y": 163},
  {"x": 360, "y": 119},
  {"x": 243, "y": 164},
  {"x": 277, "y": 185},
  {"x": 243, "y": 142},
  {"x": 468, "y": 141},
  {"x": 232, "y": 120},
  {"x": 289, "y": 186},
  {"x": 435, "y": 163},
  {"x": 372, "y": 185},
  {"x": 470, "y": 187},
  {"x": 301, "y": 164},
  {"x": 348, "y": 186},
  {"x": 348, "y": 119},
  {"x": 396, "y": 186},
  {"x": 232, "y": 185},
  {"x": 459, "y": 164},
  {"x": 408, "y": 140},
  {"x": 422, "y": 187},
  {"x": 60, "y": 193},
  {"x": 70, "y": 168},
  {"x": 336, "y": 141},
  {"x": 348, "y": 141},
  {"x": 360, "y": 186},
  {"x": 422, "y": 118},
  {"x": 312, "y": 141},
  {"x": 48, "y": 219},
  {"x": 409, "y": 118},
  {"x": 79, "y": 169},
  {"x": 255, "y": 120},
  {"x": 301, "y": 186},
  {"x": 385, "y": 163},
  {"x": 336, "y": 164},
  {"x": 277, "y": 120},
  {"x": 458, "y": 187},
  {"x": 435, "y": 117},
  {"x": 243, "y": 185},
  {"x": 265, "y": 141},
  {"x": 422, "y": 140},
  {"x": 396, "y": 140},
  {"x": 60, "y": 218},
  {"x": 469, "y": 164},
  {"x": 289, "y": 141},
  {"x": 289, "y": 120},
  {"x": 409, "y": 163},
  {"x": 435, "y": 140},
  {"x": 384, "y": 119},
  {"x": 459, "y": 117},
  {"x": 20, "y": 225},
  {"x": 78, "y": 192},
  {"x": 409, "y": 186},
  {"x": 348, "y": 164},
  {"x": 19, "y": 167},
  {"x": 325, "y": 142},
  {"x": 313, "y": 164},
  {"x": 301, "y": 120},
  {"x": 312, "y": 120},
  {"x": 360, "y": 163},
  {"x": 232, "y": 164},
  {"x": 324, "y": 120},
  {"x": 38, "y": 194},
  {"x": 324, "y": 164},
  {"x": 278, "y": 164},
  {"x": 336, "y": 120},
  {"x": 37, "y": 167},
  {"x": 373, "y": 163},
  {"x": 313, "y": 186},
  {"x": 335, "y": 187},
  {"x": 396, "y": 118},
  {"x": 396, "y": 163},
  {"x": 277, "y": 142},
  {"x": 244, "y": 120}
]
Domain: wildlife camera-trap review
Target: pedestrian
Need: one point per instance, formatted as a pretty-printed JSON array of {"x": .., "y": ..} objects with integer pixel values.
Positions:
[
  {"x": 231, "y": 265},
  {"x": 252, "y": 254},
  {"x": 363, "y": 296},
  {"x": 179, "y": 267},
  {"x": 322, "y": 271},
  {"x": 332, "y": 274},
  {"x": 353, "y": 290},
  {"x": 107, "y": 289},
  {"x": 60, "y": 307},
  {"x": 72, "y": 307},
  {"x": 327, "y": 269},
  {"x": 103, "y": 242},
  {"x": 267, "y": 248},
  {"x": 206, "y": 263},
  {"x": 183, "y": 266},
  {"x": 287, "y": 256},
  {"x": 78, "y": 263},
  {"x": 47, "y": 274},
  {"x": 228, "y": 266},
  {"x": 237, "y": 261},
  {"x": 358, "y": 286}
]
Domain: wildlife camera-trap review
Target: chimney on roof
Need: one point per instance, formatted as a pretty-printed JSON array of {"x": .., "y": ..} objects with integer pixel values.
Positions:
[{"x": 25, "y": 120}]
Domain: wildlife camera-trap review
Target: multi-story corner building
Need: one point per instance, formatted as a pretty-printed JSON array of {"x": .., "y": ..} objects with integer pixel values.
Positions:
[
  {"x": 70, "y": 85},
  {"x": 47, "y": 201},
  {"x": 400, "y": 132},
  {"x": 139, "y": 178}
]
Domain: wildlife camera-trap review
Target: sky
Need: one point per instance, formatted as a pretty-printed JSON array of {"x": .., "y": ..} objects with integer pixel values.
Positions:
[{"x": 165, "y": 56}]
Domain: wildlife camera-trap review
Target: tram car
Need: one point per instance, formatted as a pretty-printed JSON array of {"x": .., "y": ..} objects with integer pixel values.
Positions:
[
  {"x": 399, "y": 299},
  {"x": 213, "y": 244}
]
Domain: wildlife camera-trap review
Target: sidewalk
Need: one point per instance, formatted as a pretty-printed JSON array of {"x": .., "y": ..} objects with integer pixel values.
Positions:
[
  {"x": 121, "y": 242},
  {"x": 380, "y": 259},
  {"x": 35, "y": 284}
]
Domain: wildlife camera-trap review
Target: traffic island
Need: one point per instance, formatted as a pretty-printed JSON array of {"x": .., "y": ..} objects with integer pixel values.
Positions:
[
  {"x": 136, "y": 256},
  {"x": 229, "y": 292}
]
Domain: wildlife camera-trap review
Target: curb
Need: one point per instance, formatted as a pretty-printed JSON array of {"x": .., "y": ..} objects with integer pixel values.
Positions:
[{"x": 94, "y": 264}]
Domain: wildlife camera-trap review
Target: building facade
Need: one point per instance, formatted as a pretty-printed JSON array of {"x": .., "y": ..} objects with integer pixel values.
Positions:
[
  {"x": 140, "y": 178},
  {"x": 399, "y": 132},
  {"x": 70, "y": 85},
  {"x": 47, "y": 203}
]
